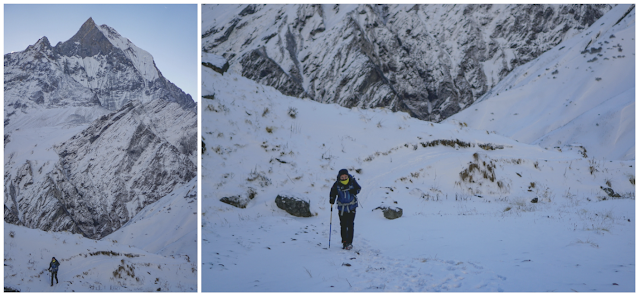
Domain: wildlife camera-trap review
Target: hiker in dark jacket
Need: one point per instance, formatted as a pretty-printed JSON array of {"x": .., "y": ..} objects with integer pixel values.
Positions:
[
  {"x": 344, "y": 191},
  {"x": 53, "y": 267}
]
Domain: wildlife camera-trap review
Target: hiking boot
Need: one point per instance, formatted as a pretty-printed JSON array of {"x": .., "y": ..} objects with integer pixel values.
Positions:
[{"x": 349, "y": 246}]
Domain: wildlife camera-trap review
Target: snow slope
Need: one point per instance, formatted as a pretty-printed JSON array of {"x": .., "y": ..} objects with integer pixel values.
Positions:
[
  {"x": 141, "y": 256},
  {"x": 468, "y": 224},
  {"x": 580, "y": 93},
  {"x": 148, "y": 229},
  {"x": 89, "y": 265}
]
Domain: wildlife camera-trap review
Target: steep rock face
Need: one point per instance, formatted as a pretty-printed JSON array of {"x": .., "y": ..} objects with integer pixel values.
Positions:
[
  {"x": 107, "y": 173},
  {"x": 429, "y": 60},
  {"x": 96, "y": 66}
]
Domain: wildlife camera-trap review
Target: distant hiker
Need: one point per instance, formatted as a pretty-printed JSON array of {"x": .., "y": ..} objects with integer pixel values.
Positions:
[
  {"x": 53, "y": 268},
  {"x": 345, "y": 189}
]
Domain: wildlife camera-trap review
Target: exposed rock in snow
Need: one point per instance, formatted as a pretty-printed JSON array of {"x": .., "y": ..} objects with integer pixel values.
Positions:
[
  {"x": 391, "y": 212},
  {"x": 294, "y": 206},
  {"x": 215, "y": 62}
]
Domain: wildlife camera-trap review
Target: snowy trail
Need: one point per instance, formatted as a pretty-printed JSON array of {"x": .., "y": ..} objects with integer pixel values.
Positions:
[{"x": 366, "y": 268}]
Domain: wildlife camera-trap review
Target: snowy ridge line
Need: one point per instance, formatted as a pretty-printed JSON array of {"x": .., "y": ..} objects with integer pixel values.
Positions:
[
  {"x": 439, "y": 142},
  {"x": 142, "y": 59}
]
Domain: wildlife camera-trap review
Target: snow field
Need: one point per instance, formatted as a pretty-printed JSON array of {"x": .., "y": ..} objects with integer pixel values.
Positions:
[
  {"x": 480, "y": 233},
  {"x": 89, "y": 265}
]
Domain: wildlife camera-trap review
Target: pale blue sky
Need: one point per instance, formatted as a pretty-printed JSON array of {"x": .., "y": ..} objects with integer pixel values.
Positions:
[{"x": 169, "y": 32}]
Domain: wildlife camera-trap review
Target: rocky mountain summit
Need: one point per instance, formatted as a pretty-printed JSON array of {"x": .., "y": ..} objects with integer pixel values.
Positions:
[
  {"x": 428, "y": 60},
  {"x": 96, "y": 66},
  {"x": 93, "y": 134}
]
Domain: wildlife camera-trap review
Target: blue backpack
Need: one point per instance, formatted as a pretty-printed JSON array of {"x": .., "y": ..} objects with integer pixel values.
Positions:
[
  {"x": 346, "y": 200},
  {"x": 54, "y": 265}
]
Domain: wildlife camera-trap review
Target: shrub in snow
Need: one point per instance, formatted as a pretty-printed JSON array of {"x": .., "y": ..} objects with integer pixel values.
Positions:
[
  {"x": 610, "y": 192},
  {"x": 391, "y": 213},
  {"x": 293, "y": 112},
  {"x": 294, "y": 206},
  {"x": 260, "y": 178}
]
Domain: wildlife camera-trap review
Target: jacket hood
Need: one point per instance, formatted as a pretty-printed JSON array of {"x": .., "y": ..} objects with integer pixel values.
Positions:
[{"x": 350, "y": 177}]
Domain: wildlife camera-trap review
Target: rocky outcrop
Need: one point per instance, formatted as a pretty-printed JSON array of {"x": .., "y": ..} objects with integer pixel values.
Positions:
[
  {"x": 390, "y": 212},
  {"x": 240, "y": 201},
  {"x": 428, "y": 60}
]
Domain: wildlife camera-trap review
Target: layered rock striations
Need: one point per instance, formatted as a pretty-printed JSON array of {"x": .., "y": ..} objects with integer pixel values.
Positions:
[{"x": 428, "y": 60}]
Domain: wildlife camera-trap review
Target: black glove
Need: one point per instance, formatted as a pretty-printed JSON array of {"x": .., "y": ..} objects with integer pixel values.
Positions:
[{"x": 332, "y": 201}]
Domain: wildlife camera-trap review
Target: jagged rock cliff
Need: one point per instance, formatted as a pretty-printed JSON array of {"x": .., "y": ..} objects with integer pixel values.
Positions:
[
  {"x": 428, "y": 60},
  {"x": 108, "y": 172}
]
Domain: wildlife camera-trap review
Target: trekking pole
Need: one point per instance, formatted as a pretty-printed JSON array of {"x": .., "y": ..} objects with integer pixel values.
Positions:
[{"x": 330, "y": 220}]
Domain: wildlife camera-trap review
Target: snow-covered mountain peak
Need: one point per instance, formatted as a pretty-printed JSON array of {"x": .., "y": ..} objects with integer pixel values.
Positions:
[
  {"x": 87, "y": 42},
  {"x": 41, "y": 45},
  {"x": 97, "y": 66},
  {"x": 142, "y": 60}
]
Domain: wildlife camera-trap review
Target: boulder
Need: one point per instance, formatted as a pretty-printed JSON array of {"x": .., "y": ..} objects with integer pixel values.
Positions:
[
  {"x": 236, "y": 201},
  {"x": 391, "y": 213},
  {"x": 294, "y": 206},
  {"x": 218, "y": 63},
  {"x": 239, "y": 201}
]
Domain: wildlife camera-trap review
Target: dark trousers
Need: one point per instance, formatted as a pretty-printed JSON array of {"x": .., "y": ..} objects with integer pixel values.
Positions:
[
  {"x": 54, "y": 274},
  {"x": 346, "y": 226}
]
